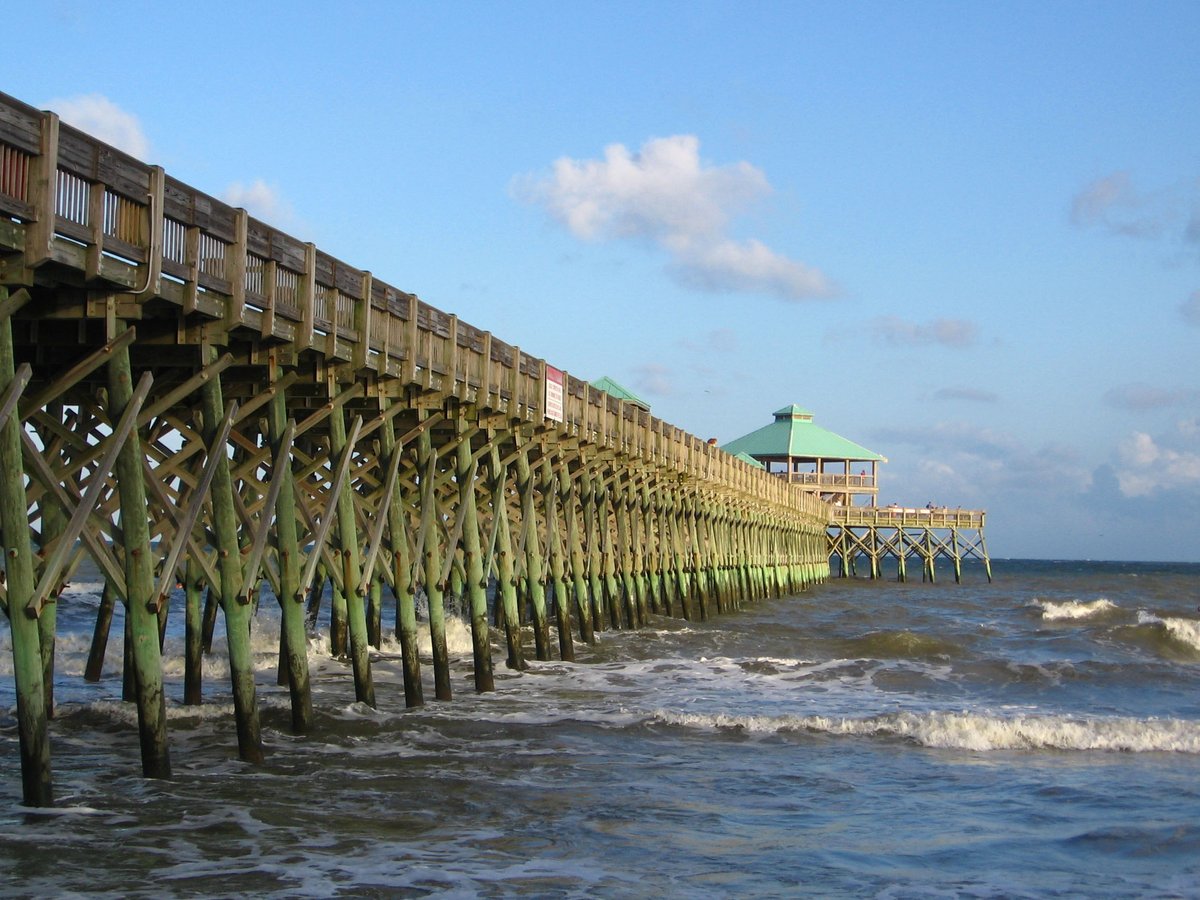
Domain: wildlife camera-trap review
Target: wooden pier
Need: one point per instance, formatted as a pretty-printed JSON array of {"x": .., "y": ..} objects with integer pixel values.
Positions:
[
  {"x": 188, "y": 395},
  {"x": 877, "y": 534}
]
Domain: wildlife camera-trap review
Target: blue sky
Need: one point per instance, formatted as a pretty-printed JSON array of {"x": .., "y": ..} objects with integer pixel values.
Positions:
[{"x": 965, "y": 235}]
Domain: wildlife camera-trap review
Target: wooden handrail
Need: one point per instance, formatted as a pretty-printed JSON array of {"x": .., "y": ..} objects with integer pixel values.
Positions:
[
  {"x": 940, "y": 517},
  {"x": 215, "y": 260}
]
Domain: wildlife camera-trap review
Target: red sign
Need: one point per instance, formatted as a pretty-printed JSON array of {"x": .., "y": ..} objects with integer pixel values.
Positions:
[{"x": 554, "y": 394}]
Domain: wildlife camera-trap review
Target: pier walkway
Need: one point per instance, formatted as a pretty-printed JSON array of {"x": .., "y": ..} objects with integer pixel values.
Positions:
[
  {"x": 900, "y": 534},
  {"x": 191, "y": 397}
]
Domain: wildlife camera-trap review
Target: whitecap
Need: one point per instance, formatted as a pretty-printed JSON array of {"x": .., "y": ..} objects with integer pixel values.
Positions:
[
  {"x": 1074, "y": 609},
  {"x": 978, "y": 732}
]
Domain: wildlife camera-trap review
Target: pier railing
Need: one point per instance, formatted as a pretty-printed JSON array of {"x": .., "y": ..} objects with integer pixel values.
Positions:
[
  {"x": 862, "y": 483},
  {"x": 941, "y": 517},
  {"x": 70, "y": 200}
]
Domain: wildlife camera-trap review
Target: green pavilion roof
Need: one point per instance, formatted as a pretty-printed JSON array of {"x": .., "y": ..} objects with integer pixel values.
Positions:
[
  {"x": 613, "y": 389},
  {"x": 749, "y": 460},
  {"x": 794, "y": 435}
]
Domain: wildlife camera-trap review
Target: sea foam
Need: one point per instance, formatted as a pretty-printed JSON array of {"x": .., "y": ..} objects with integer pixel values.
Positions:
[
  {"x": 974, "y": 731},
  {"x": 1074, "y": 609}
]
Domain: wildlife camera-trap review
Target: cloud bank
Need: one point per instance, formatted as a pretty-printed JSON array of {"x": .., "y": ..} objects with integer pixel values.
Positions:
[
  {"x": 667, "y": 195},
  {"x": 1148, "y": 465},
  {"x": 103, "y": 119}
]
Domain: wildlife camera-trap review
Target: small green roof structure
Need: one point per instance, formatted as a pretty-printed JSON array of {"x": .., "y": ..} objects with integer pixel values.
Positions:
[
  {"x": 613, "y": 389},
  {"x": 795, "y": 447}
]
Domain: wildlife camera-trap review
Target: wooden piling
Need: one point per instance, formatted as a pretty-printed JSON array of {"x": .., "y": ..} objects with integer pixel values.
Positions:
[
  {"x": 32, "y": 715},
  {"x": 141, "y": 604}
]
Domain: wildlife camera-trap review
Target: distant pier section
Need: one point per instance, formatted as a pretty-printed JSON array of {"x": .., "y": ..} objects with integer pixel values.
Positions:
[{"x": 846, "y": 476}]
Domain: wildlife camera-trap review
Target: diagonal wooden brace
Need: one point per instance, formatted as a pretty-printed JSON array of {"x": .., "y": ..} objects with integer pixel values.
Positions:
[
  {"x": 184, "y": 527},
  {"x": 310, "y": 568},
  {"x": 281, "y": 470},
  {"x": 87, "y": 503}
]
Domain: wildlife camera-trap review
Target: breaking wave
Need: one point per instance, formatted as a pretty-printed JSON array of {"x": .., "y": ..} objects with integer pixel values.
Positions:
[
  {"x": 973, "y": 731},
  {"x": 1181, "y": 631},
  {"x": 1074, "y": 609}
]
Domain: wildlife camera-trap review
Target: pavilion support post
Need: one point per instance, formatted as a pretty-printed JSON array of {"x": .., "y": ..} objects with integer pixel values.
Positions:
[
  {"x": 435, "y": 589},
  {"x": 465, "y": 471},
  {"x": 506, "y": 579},
  {"x": 956, "y": 556},
  {"x": 562, "y": 602},
  {"x": 32, "y": 714},
  {"x": 572, "y": 513},
  {"x": 293, "y": 642},
  {"x": 352, "y": 589},
  {"x": 402, "y": 580},
  {"x": 234, "y": 602},
  {"x": 535, "y": 580},
  {"x": 141, "y": 603}
]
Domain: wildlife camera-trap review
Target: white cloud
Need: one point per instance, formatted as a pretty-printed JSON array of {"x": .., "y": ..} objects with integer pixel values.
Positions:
[
  {"x": 1116, "y": 205},
  {"x": 667, "y": 195},
  {"x": 261, "y": 200},
  {"x": 103, "y": 119},
  {"x": 654, "y": 378},
  {"x": 942, "y": 332},
  {"x": 1147, "y": 466}
]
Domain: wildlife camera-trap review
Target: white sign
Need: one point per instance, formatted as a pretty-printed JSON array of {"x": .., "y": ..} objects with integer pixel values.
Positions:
[{"x": 554, "y": 394}]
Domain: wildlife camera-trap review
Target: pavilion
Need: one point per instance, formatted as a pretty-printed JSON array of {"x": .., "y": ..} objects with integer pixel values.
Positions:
[{"x": 795, "y": 447}]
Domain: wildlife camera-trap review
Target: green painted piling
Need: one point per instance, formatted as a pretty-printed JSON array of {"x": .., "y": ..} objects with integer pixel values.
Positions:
[
  {"x": 32, "y": 714},
  {"x": 475, "y": 578},
  {"x": 624, "y": 556},
  {"x": 402, "y": 580},
  {"x": 293, "y": 641},
  {"x": 54, "y": 522},
  {"x": 193, "y": 637},
  {"x": 234, "y": 604},
  {"x": 572, "y": 513},
  {"x": 355, "y": 598},
  {"x": 562, "y": 604},
  {"x": 506, "y": 580},
  {"x": 141, "y": 603},
  {"x": 432, "y": 562},
  {"x": 536, "y": 586},
  {"x": 95, "y": 662},
  {"x": 591, "y": 537}
]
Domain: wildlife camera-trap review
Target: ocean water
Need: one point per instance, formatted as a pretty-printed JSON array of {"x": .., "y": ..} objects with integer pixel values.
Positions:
[{"x": 1034, "y": 737}]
